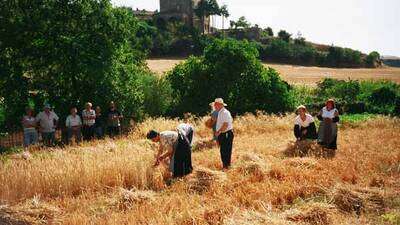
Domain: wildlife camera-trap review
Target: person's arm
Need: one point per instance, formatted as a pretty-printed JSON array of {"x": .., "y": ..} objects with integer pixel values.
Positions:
[
  {"x": 167, "y": 154},
  {"x": 79, "y": 122},
  {"x": 68, "y": 122},
  {"x": 319, "y": 116},
  {"x": 56, "y": 120},
  {"x": 336, "y": 119},
  {"x": 223, "y": 127}
]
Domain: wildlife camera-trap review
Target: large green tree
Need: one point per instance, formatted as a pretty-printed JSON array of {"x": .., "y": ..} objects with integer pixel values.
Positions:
[
  {"x": 229, "y": 69},
  {"x": 67, "y": 52}
]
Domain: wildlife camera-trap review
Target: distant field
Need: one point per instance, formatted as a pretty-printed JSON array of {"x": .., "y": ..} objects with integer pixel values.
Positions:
[{"x": 302, "y": 74}]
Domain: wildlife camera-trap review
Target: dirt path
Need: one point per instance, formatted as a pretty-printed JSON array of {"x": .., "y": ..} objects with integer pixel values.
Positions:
[{"x": 302, "y": 74}]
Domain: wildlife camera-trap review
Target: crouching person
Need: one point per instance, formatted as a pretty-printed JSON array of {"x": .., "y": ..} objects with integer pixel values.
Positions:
[
  {"x": 304, "y": 125},
  {"x": 175, "y": 147}
]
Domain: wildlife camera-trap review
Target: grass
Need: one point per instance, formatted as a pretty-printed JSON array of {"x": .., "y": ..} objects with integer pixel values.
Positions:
[{"x": 113, "y": 182}]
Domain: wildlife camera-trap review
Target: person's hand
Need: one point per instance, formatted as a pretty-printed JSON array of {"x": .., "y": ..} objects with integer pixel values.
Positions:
[
  {"x": 304, "y": 132},
  {"x": 157, "y": 162},
  {"x": 217, "y": 133}
]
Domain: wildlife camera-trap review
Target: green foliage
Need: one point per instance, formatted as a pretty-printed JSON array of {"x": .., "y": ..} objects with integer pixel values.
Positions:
[
  {"x": 346, "y": 91},
  {"x": 245, "y": 84},
  {"x": 269, "y": 31},
  {"x": 356, "y": 118},
  {"x": 354, "y": 96},
  {"x": 343, "y": 57},
  {"x": 68, "y": 53},
  {"x": 284, "y": 35},
  {"x": 157, "y": 95},
  {"x": 372, "y": 59},
  {"x": 240, "y": 23},
  {"x": 207, "y": 8}
]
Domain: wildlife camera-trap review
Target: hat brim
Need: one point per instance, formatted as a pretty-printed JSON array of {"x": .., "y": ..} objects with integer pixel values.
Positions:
[{"x": 213, "y": 103}]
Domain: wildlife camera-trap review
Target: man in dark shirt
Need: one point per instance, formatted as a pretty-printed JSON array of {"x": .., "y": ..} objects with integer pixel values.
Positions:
[{"x": 114, "y": 121}]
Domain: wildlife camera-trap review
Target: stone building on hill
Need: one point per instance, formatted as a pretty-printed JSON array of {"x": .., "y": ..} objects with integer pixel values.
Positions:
[{"x": 182, "y": 10}]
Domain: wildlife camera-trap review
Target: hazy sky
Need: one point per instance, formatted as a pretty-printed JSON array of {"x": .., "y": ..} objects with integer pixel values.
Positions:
[{"x": 365, "y": 25}]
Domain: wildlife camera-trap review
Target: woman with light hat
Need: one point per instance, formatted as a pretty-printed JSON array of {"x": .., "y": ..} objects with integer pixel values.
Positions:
[
  {"x": 327, "y": 132},
  {"x": 304, "y": 126},
  {"x": 224, "y": 132}
]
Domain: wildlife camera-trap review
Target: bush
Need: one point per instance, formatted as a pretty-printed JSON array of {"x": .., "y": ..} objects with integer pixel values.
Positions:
[
  {"x": 157, "y": 95},
  {"x": 228, "y": 69},
  {"x": 358, "y": 97},
  {"x": 383, "y": 100}
]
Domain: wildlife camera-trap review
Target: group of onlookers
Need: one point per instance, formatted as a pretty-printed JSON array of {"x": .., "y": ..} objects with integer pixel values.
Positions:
[{"x": 91, "y": 124}]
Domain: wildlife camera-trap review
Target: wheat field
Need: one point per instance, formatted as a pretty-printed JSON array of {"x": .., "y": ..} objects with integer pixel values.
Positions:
[
  {"x": 113, "y": 182},
  {"x": 303, "y": 75}
]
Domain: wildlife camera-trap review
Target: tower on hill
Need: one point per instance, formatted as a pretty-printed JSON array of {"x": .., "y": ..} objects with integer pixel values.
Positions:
[{"x": 182, "y": 10}]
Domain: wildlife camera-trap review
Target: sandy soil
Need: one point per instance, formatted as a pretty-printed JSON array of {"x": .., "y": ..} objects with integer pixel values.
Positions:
[{"x": 302, "y": 74}]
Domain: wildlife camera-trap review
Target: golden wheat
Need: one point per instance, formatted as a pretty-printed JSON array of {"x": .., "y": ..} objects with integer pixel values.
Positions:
[{"x": 113, "y": 182}]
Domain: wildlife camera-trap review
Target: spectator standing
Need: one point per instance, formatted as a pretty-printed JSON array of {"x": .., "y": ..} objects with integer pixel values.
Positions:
[
  {"x": 114, "y": 121},
  {"x": 73, "y": 124},
  {"x": 89, "y": 119},
  {"x": 99, "y": 124},
  {"x": 47, "y": 121},
  {"x": 29, "y": 125}
]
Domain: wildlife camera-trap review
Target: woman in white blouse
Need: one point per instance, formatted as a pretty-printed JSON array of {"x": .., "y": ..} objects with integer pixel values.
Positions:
[
  {"x": 304, "y": 126},
  {"x": 327, "y": 132}
]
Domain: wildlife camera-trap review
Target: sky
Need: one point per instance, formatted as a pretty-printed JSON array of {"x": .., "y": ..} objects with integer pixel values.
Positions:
[{"x": 365, "y": 25}]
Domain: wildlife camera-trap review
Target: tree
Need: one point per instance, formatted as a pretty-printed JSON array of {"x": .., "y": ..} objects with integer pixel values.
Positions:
[
  {"x": 269, "y": 31},
  {"x": 240, "y": 23},
  {"x": 246, "y": 85},
  {"x": 283, "y": 35},
  {"x": 68, "y": 53},
  {"x": 225, "y": 14},
  {"x": 206, "y": 8},
  {"x": 372, "y": 59}
]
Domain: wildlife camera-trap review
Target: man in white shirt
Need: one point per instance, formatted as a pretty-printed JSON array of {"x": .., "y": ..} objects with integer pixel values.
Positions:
[
  {"x": 89, "y": 119},
  {"x": 224, "y": 132},
  {"x": 47, "y": 121},
  {"x": 73, "y": 124}
]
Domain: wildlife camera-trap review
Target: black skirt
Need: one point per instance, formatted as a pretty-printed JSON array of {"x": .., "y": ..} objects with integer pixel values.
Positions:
[{"x": 182, "y": 157}]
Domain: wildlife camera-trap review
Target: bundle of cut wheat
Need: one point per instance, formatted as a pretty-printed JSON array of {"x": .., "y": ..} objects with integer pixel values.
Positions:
[
  {"x": 202, "y": 179},
  {"x": 314, "y": 214},
  {"x": 128, "y": 198},
  {"x": 304, "y": 148},
  {"x": 358, "y": 200}
]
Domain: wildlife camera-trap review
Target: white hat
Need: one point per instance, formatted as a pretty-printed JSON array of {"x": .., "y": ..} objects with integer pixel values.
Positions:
[{"x": 218, "y": 100}]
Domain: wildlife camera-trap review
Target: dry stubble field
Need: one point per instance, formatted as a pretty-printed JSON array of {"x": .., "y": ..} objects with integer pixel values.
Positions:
[
  {"x": 302, "y": 74},
  {"x": 113, "y": 182}
]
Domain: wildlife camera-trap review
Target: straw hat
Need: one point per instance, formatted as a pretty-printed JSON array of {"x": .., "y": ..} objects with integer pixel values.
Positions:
[
  {"x": 218, "y": 100},
  {"x": 301, "y": 107}
]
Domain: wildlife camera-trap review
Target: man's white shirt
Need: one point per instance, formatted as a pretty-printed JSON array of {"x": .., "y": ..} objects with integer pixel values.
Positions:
[{"x": 224, "y": 116}]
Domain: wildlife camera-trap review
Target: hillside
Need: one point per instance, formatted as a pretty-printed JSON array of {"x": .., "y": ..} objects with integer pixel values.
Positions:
[
  {"x": 113, "y": 182},
  {"x": 302, "y": 74},
  {"x": 391, "y": 61}
]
